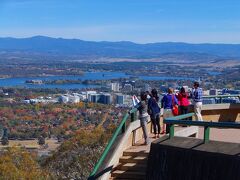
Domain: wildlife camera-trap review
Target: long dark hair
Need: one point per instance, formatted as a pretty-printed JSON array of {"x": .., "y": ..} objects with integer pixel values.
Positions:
[
  {"x": 143, "y": 96},
  {"x": 183, "y": 92},
  {"x": 155, "y": 94}
]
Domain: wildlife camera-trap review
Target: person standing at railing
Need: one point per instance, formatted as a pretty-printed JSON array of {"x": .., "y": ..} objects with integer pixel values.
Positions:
[
  {"x": 197, "y": 100},
  {"x": 167, "y": 104},
  {"x": 143, "y": 116},
  {"x": 183, "y": 101},
  {"x": 154, "y": 112}
]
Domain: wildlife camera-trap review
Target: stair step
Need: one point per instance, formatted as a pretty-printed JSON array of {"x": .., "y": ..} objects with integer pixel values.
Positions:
[
  {"x": 134, "y": 154},
  {"x": 128, "y": 174},
  {"x": 130, "y": 159},
  {"x": 132, "y": 167}
]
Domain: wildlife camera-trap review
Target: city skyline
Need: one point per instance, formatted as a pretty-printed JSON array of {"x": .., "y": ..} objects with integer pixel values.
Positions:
[{"x": 138, "y": 21}]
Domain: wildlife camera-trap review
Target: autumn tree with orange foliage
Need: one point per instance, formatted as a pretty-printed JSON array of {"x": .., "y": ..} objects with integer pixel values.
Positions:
[
  {"x": 77, "y": 156},
  {"x": 16, "y": 163}
]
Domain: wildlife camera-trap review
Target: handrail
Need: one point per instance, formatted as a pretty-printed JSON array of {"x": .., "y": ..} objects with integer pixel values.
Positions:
[
  {"x": 221, "y": 96},
  {"x": 207, "y": 125},
  {"x": 202, "y": 123},
  {"x": 120, "y": 127},
  {"x": 180, "y": 116}
]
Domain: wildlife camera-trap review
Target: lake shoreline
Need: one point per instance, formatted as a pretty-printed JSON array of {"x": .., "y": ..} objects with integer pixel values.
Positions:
[{"x": 88, "y": 76}]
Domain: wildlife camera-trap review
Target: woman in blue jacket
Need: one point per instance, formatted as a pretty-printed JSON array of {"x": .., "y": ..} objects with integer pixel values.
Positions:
[
  {"x": 154, "y": 112},
  {"x": 167, "y": 104}
]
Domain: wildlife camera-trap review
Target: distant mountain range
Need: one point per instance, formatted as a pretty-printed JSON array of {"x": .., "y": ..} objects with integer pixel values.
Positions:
[{"x": 47, "y": 46}]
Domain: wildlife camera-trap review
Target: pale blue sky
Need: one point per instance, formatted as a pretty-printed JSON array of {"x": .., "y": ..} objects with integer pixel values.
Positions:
[{"x": 115, "y": 20}]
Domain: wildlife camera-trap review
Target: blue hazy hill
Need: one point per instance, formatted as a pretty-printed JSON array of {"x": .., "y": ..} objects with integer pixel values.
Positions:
[{"x": 121, "y": 49}]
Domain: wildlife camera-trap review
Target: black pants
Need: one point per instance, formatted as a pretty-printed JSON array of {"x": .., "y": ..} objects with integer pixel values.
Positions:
[
  {"x": 184, "y": 110},
  {"x": 156, "y": 123}
]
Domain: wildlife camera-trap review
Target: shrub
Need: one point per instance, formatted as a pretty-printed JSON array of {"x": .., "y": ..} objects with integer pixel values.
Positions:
[
  {"x": 77, "y": 156},
  {"x": 5, "y": 141},
  {"x": 41, "y": 140},
  {"x": 16, "y": 163}
]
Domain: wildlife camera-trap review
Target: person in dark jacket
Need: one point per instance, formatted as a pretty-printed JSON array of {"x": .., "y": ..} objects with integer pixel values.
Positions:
[
  {"x": 154, "y": 112},
  {"x": 143, "y": 116}
]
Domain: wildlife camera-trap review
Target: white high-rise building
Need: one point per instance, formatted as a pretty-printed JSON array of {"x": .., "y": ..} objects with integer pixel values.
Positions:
[
  {"x": 67, "y": 98},
  {"x": 115, "y": 87},
  {"x": 88, "y": 93},
  {"x": 74, "y": 99},
  {"x": 95, "y": 98},
  {"x": 103, "y": 98}
]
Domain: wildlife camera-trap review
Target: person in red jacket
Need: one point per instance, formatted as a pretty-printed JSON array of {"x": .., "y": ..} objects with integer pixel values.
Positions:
[{"x": 183, "y": 101}]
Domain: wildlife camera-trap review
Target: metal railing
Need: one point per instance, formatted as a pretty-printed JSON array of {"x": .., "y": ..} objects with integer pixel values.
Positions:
[
  {"x": 219, "y": 98},
  {"x": 120, "y": 129},
  {"x": 222, "y": 96},
  {"x": 179, "y": 120}
]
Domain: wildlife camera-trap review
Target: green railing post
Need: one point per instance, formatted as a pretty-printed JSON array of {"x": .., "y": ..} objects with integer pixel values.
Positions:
[
  {"x": 206, "y": 134},
  {"x": 171, "y": 133},
  {"x": 133, "y": 116}
]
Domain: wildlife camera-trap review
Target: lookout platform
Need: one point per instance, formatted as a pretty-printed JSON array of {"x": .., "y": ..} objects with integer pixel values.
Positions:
[
  {"x": 140, "y": 161},
  {"x": 208, "y": 150}
]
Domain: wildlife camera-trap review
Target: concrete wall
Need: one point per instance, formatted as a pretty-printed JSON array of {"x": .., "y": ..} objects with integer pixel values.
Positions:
[{"x": 221, "y": 112}]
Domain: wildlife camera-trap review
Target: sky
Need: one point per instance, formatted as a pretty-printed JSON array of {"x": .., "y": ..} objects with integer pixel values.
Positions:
[{"x": 141, "y": 21}]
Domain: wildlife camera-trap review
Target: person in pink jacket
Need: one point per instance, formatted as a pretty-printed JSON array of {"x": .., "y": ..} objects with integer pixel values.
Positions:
[{"x": 183, "y": 101}]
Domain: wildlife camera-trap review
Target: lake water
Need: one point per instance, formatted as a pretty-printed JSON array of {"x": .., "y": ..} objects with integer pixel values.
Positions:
[
  {"x": 20, "y": 82},
  {"x": 214, "y": 73}
]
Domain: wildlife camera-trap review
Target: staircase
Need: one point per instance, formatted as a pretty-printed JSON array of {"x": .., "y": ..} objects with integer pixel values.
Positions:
[{"x": 133, "y": 163}]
